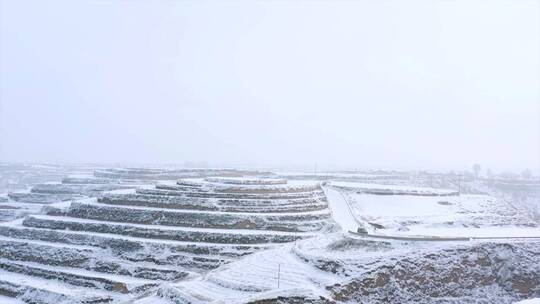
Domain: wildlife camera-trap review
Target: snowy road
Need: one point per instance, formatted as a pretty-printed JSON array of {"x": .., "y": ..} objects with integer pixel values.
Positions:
[{"x": 341, "y": 211}]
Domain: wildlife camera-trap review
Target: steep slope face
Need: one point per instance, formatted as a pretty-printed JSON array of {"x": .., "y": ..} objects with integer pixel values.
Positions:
[{"x": 489, "y": 273}]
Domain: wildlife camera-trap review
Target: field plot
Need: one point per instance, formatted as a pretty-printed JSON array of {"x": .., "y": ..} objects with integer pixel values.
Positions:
[{"x": 400, "y": 210}]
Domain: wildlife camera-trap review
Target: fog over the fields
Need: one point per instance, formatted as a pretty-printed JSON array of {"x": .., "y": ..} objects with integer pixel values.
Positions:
[{"x": 358, "y": 84}]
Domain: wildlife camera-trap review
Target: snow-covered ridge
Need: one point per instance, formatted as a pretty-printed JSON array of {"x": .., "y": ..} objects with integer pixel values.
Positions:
[
  {"x": 247, "y": 181},
  {"x": 392, "y": 189}
]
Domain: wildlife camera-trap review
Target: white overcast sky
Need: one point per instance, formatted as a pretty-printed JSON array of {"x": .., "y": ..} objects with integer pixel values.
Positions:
[{"x": 358, "y": 84}]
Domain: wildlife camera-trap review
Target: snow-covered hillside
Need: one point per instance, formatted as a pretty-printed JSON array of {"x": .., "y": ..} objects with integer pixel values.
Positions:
[{"x": 130, "y": 235}]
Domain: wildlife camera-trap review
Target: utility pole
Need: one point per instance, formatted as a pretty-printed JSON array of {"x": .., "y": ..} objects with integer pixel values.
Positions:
[{"x": 278, "y": 274}]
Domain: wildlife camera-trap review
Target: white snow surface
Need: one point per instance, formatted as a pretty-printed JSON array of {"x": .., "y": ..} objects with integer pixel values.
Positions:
[
  {"x": 8, "y": 300},
  {"x": 529, "y": 301}
]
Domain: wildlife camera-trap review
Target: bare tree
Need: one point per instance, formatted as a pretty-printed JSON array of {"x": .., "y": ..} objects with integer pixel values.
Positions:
[{"x": 526, "y": 174}]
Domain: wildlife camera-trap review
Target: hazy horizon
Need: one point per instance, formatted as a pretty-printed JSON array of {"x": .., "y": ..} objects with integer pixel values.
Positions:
[{"x": 346, "y": 84}]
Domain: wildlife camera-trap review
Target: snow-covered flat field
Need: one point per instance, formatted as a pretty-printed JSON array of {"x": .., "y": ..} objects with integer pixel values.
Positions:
[{"x": 463, "y": 215}]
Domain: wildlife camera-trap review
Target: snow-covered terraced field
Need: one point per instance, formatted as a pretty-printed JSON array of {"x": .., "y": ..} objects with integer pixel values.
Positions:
[
  {"x": 153, "y": 174},
  {"x": 74, "y": 187},
  {"x": 124, "y": 243}
]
